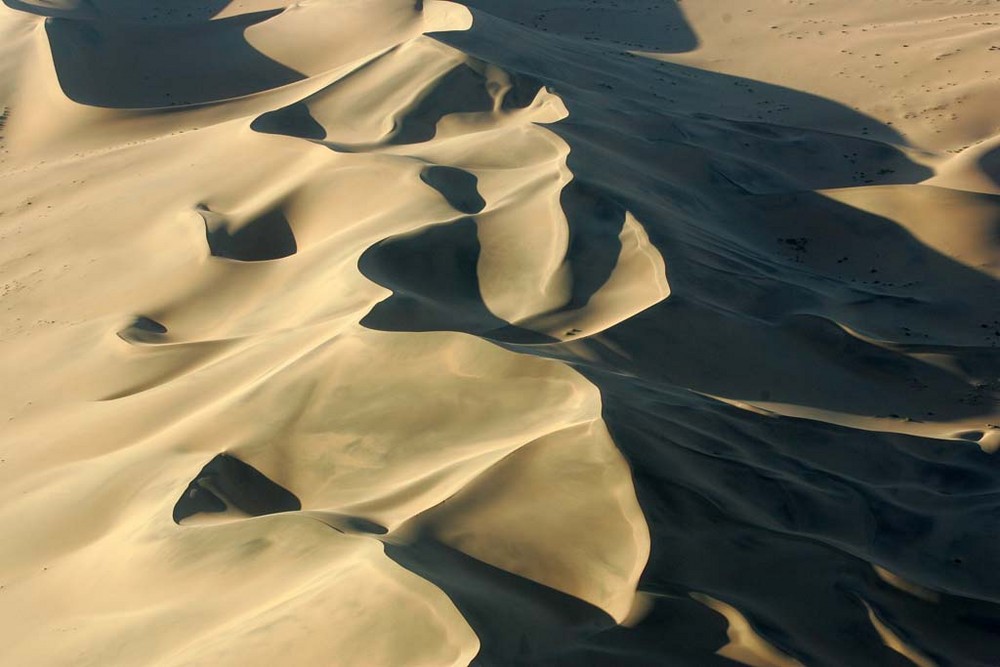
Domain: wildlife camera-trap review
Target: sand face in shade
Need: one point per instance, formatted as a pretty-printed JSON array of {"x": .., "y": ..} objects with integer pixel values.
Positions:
[{"x": 395, "y": 333}]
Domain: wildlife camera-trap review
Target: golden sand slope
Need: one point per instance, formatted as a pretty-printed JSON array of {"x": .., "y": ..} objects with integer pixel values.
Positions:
[
  {"x": 237, "y": 246},
  {"x": 552, "y": 316}
]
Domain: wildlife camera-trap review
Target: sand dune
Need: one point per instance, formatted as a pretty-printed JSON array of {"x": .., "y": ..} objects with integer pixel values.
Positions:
[{"x": 499, "y": 332}]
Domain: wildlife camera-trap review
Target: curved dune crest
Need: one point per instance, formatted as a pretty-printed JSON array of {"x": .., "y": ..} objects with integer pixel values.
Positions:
[
  {"x": 394, "y": 333},
  {"x": 745, "y": 646}
]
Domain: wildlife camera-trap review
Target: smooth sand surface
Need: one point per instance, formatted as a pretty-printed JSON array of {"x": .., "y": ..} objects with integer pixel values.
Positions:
[{"x": 504, "y": 332}]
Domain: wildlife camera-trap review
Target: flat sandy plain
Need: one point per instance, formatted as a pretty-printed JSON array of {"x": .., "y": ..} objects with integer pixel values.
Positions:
[{"x": 391, "y": 333}]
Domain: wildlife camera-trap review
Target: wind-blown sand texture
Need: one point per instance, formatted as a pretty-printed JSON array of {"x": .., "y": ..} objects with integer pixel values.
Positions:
[{"x": 505, "y": 332}]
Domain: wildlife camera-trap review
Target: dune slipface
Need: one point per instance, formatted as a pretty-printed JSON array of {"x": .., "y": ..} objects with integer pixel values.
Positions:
[{"x": 387, "y": 333}]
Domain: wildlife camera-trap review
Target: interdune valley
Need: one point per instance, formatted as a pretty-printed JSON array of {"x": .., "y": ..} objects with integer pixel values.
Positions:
[{"x": 432, "y": 333}]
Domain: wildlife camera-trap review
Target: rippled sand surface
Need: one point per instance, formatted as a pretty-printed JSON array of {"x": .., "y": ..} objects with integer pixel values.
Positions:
[{"x": 390, "y": 333}]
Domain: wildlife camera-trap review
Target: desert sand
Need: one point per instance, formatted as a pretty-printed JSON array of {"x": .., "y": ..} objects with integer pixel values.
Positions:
[{"x": 501, "y": 332}]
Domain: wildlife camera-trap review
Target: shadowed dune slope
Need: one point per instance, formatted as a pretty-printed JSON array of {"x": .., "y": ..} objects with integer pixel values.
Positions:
[
  {"x": 494, "y": 333},
  {"x": 125, "y": 65}
]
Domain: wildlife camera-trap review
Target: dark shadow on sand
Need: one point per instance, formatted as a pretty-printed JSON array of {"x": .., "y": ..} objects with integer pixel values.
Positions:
[
  {"x": 782, "y": 518},
  {"x": 462, "y": 90},
  {"x": 521, "y": 623},
  {"x": 226, "y": 482},
  {"x": 292, "y": 121},
  {"x": 633, "y": 24},
  {"x": 126, "y": 65},
  {"x": 264, "y": 238},
  {"x": 143, "y": 330},
  {"x": 457, "y": 186},
  {"x": 125, "y": 11},
  {"x": 779, "y": 517},
  {"x": 432, "y": 273}
]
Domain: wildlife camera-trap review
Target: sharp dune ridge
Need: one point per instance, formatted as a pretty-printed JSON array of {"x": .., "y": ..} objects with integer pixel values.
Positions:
[{"x": 391, "y": 333}]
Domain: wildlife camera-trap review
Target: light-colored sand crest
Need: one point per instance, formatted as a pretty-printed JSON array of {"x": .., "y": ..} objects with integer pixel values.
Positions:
[
  {"x": 893, "y": 641},
  {"x": 913, "y": 589},
  {"x": 745, "y": 645},
  {"x": 976, "y": 168},
  {"x": 955, "y": 223}
]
